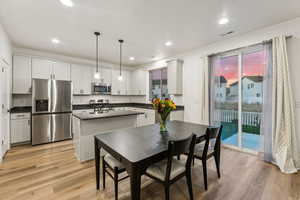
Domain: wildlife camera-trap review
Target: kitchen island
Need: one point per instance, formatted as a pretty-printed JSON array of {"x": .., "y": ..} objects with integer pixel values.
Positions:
[{"x": 87, "y": 124}]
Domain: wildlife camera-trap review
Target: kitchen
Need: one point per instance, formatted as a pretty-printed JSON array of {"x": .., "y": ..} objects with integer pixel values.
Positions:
[{"x": 149, "y": 100}]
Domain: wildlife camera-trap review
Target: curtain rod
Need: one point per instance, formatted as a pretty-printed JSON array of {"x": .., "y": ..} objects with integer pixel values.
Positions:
[{"x": 251, "y": 45}]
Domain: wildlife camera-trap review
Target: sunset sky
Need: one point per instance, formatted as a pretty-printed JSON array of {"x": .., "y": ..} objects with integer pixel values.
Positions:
[{"x": 253, "y": 65}]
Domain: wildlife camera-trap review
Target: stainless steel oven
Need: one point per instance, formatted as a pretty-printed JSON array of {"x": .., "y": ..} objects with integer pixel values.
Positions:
[{"x": 101, "y": 88}]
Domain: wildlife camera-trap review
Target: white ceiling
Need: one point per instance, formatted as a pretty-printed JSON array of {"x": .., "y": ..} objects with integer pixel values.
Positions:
[{"x": 145, "y": 25}]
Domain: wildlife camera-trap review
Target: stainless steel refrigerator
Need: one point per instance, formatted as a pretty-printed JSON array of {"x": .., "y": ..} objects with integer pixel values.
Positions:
[{"x": 51, "y": 110}]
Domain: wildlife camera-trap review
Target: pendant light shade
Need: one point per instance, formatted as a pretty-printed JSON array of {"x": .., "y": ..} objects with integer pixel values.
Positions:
[
  {"x": 97, "y": 73},
  {"x": 120, "y": 78}
]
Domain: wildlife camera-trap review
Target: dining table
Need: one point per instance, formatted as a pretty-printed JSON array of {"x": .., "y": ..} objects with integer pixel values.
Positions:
[{"x": 138, "y": 148}]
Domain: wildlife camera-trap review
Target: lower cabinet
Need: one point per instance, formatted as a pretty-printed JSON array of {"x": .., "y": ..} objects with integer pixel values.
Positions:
[{"x": 20, "y": 128}]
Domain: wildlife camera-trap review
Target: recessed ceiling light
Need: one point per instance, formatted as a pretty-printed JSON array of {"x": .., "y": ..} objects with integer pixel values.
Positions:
[
  {"x": 131, "y": 58},
  {"x": 169, "y": 43},
  {"x": 68, "y": 3},
  {"x": 223, "y": 21},
  {"x": 55, "y": 41}
]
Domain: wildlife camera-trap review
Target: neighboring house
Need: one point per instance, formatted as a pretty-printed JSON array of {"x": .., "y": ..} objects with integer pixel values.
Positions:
[
  {"x": 252, "y": 89},
  {"x": 221, "y": 89}
]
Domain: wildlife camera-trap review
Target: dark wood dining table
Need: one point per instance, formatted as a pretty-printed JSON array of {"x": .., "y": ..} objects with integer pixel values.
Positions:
[{"x": 138, "y": 148}]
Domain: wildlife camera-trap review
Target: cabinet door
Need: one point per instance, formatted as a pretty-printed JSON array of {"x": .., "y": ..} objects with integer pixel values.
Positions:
[
  {"x": 20, "y": 130},
  {"x": 105, "y": 75},
  {"x": 119, "y": 87},
  {"x": 140, "y": 82},
  {"x": 21, "y": 75},
  {"x": 81, "y": 77},
  {"x": 41, "y": 69},
  {"x": 61, "y": 71}
]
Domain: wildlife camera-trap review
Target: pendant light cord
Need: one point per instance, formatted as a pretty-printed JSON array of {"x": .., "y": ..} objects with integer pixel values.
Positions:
[
  {"x": 121, "y": 41},
  {"x": 97, "y": 51}
]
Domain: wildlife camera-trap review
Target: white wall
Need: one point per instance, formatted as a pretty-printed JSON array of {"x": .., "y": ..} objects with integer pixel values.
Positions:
[
  {"x": 5, "y": 46},
  {"x": 193, "y": 63}
]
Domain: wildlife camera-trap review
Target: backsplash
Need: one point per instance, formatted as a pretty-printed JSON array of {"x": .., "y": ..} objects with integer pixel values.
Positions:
[{"x": 25, "y": 100}]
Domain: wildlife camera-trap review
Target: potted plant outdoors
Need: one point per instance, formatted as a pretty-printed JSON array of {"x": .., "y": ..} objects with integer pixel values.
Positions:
[{"x": 163, "y": 108}]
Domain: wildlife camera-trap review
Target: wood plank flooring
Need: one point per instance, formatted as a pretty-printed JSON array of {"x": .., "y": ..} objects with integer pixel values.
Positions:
[{"x": 52, "y": 172}]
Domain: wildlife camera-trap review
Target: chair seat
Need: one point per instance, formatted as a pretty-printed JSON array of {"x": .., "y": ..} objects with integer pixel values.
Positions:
[
  {"x": 199, "y": 148},
  {"x": 158, "y": 170},
  {"x": 112, "y": 162}
]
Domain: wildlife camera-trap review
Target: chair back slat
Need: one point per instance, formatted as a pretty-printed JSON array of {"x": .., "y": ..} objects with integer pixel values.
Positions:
[{"x": 177, "y": 147}]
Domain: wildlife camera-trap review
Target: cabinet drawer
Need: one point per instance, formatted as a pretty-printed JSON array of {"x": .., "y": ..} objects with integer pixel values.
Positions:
[{"x": 20, "y": 116}]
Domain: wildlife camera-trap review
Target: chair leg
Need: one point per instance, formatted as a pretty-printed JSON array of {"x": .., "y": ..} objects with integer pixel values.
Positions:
[
  {"x": 116, "y": 179},
  {"x": 189, "y": 184},
  {"x": 167, "y": 192},
  {"x": 217, "y": 161},
  {"x": 103, "y": 172},
  {"x": 193, "y": 161},
  {"x": 204, "y": 173}
]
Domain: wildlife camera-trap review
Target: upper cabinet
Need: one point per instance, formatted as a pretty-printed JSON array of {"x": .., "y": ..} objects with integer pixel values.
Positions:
[
  {"x": 46, "y": 69},
  {"x": 21, "y": 75},
  {"x": 175, "y": 73},
  {"x": 137, "y": 82},
  {"x": 61, "y": 71},
  {"x": 119, "y": 87},
  {"x": 41, "y": 69},
  {"x": 81, "y": 77},
  {"x": 105, "y": 75}
]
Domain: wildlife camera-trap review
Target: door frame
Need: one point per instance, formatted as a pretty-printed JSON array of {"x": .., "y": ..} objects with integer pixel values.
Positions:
[{"x": 239, "y": 54}]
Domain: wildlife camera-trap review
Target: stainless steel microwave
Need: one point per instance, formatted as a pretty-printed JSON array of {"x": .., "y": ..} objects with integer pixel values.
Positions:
[{"x": 101, "y": 88}]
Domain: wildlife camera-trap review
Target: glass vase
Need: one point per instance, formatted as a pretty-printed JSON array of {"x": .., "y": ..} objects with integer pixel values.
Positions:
[{"x": 163, "y": 126}]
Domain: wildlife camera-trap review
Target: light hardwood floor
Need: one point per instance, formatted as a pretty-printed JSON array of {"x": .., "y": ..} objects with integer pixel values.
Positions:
[{"x": 52, "y": 172}]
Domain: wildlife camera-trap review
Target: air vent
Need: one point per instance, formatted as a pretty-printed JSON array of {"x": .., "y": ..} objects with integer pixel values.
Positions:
[{"x": 227, "y": 33}]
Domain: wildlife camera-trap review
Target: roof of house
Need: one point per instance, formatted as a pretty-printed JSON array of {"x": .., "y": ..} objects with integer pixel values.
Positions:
[
  {"x": 222, "y": 79},
  {"x": 255, "y": 78},
  {"x": 252, "y": 78}
]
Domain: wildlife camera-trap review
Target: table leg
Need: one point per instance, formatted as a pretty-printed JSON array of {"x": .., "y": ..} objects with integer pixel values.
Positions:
[
  {"x": 135, "y": 183},
  {"x": 97, "y": 164}
]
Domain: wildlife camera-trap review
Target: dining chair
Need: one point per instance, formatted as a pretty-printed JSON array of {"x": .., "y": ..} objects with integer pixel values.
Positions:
[
  {"x": 170, "y": 170},
  {"x": 210, "y": 147},
  {"x": 116, "y": 168}
]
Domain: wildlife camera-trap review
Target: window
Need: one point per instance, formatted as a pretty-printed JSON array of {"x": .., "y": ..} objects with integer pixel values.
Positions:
[
  {"x": 257, "y": 95},
  {"x": 158, "y": 83}
]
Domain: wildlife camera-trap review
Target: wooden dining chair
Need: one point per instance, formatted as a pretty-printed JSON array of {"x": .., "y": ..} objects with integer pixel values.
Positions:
[
  {"x": 209, "y": 148},
  {"x": 170, "y": 170},
  {"x": 109, "y": 162}
]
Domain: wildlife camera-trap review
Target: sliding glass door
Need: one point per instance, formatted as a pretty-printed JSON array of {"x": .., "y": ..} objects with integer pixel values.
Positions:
[{"x": 237, "y": 95}]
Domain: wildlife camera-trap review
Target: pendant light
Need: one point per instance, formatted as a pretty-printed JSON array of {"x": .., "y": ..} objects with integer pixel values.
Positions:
[
  {"x": 120, "y": 76},
  {"x": 97, "y": 73}
]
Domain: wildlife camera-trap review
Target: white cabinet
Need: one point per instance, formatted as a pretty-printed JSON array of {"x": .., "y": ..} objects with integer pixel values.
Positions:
[
  {"x": 61, "y": 71},
  {"x": 41, "y": 69},
  {"x": 21, "y": 75},
  {"x": 105, "y": 75},
  {"x": 81, "y": 77},
  {"x": 46, "y": 69},
  {"x": 145, "y": 119},
  {"x": 137, "y": 82},
  {"x": 177, "y": 115},
  {"x": 119, "y": 87},
  {"x": 20, "y": 128},
  {"x": 175, "y": 73}
]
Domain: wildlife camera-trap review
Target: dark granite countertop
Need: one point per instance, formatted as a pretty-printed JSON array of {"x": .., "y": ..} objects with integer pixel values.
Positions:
[
  {"x": 20, "y": 109},
  {"x": 110, "y": 114}
]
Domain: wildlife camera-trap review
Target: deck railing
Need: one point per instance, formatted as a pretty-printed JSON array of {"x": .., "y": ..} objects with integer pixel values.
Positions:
[{"x": 248, "y": 118}]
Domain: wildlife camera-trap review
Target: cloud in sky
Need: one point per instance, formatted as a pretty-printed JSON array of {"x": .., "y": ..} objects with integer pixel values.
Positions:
[{"x": 253, "y": 64}]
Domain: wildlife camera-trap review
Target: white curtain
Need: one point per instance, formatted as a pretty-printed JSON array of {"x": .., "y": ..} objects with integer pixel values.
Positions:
[
  {"x": 285, "y": 149},
  {"x": 205, "y": 91}
]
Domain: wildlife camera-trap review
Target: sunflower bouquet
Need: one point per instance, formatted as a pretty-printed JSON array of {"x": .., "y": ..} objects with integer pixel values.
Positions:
[{"x": 164, "y": 108}]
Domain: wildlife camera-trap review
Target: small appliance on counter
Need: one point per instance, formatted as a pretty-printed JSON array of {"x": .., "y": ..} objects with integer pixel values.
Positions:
[{"x": 51, "y": 110}]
